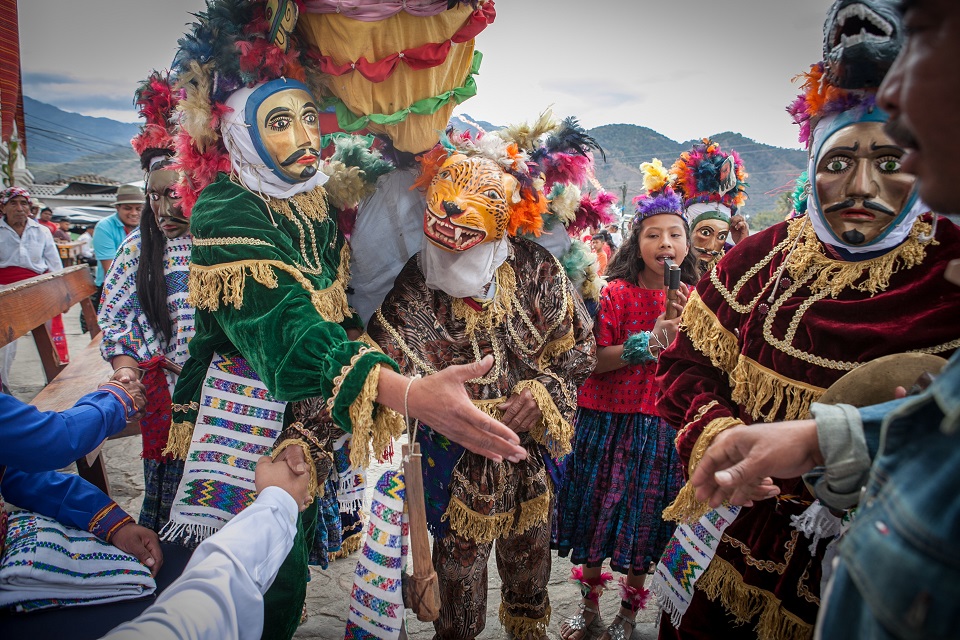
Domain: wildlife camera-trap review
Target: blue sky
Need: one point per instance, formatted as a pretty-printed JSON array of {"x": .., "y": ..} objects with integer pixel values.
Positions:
[{"x": 686, "y": 68}]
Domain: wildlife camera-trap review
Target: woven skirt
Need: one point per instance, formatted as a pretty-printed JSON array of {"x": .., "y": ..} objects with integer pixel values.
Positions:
[
  {"x": 160, "y": 480},
  {"x": 622, "y": 473}
]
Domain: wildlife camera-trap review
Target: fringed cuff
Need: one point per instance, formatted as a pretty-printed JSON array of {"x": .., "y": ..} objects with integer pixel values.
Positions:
[
  {"x": 556, "y": 347},
  {"x": 226, "y": 283},
  {"x": 769, "y": 396},
  {"x": 108, "y": 521},
  {"x": 523, "y": 627},
  {"x": 347, "y": 547},
  {"x": 353, "y": 407},
  {"x": 311, "y": 466},
  {"x": 686, "y": 508},
  {"x": 707, "y": 335},
  {"x": 553, "y": 431},
  {"x": 481, "y": 528},
  {"x": 746, "y": 602}
]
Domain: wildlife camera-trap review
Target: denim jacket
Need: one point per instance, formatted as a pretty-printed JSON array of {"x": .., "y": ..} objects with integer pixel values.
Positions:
[{"x": 898, "y": 574}]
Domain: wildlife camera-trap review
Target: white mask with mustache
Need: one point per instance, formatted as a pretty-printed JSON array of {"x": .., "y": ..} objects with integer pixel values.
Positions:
[{"x": 246, "y": 162}]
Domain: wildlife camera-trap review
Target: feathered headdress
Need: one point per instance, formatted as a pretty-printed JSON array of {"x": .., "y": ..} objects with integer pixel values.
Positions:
[
  {"x": 660, "y": 196},
  {"x": 156, "y": 100},
  {"x": 819, "y": 98},
  {"x": 227, "y": 48},
  {"x": 699, "y": 176}
]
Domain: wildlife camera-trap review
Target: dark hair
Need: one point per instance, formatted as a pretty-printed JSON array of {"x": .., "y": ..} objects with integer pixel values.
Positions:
[
  {"x": 151, "y": 284},
  {"x": 626, "y": 263}
]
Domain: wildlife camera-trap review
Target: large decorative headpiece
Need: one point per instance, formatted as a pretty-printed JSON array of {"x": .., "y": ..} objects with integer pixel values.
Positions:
[
  {"x": 861, "y": 39},
  {"x": 234, "y": 44},
  {"x": 156, "y": 101},
  {"x": 710, "y": 181},
  {"x": 659, "y": 196}
]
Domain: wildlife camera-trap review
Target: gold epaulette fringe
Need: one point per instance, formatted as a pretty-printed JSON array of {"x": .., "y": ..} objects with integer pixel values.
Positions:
[
  {"x": 178, "y": 440},
  {"x": 558, "y": 346},
  {"x": 552, "y": 431},
  {"x": 869, "y": 276},
  {"x": 486, "y": 528},
  {"x": 226, "y": 283},
  {"x": 311, "y": 205},
  {"x": 686, "y": 508},
  {"x": 308, "y": 458},
  {"x": 707, "y": 335},
  {"x": 347, "y": 547},
  {"x": 523, "y": 627},
  {"x": 756, "y": 387},
  {"x": 372, "y": 426},
  {"x": 746, "y": 602}
]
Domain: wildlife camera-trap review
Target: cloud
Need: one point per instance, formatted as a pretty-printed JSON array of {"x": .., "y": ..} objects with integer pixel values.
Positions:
[
  {"x": 42, "y": 78},
  {"x": 592, "y": 90}
]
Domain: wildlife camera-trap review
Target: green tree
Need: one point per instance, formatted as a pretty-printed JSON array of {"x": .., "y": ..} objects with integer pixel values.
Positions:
[{"x": 763, "y": 219}]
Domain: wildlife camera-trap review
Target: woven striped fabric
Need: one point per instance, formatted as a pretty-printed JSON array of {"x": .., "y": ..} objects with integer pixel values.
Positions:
[
  {"x": 376, "y": 601},
  {"x": 351, "y": 481},
  {"x": 686, "y": 558},
  {"x": 46, "y": 564},
  {"x": 238, "y": 422}
]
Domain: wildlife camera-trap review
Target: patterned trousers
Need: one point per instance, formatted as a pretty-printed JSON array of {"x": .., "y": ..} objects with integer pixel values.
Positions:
[{"x": 523, "y": 562}]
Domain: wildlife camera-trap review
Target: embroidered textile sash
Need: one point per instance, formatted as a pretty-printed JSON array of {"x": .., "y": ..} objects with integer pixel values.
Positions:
[
  {"x": 686, "y": 558},
  {"x": 238, "y": 422},
  {"x": 46, "y": 564},
  {"x": 376, "y": 601}
]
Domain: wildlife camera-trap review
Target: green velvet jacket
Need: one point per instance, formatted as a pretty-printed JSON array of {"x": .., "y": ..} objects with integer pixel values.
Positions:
[{"x": 269, "y": 284}]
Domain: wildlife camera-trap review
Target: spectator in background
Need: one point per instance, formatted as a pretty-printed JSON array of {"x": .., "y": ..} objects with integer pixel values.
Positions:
[
  {"x": 26, "y": 250},
  {"x": 599, "y": 247},
  {"x": 45, "y": 218},
  {"x": 111, "y": 231},
  {"x": 615, "y": 236},
  {"x": 86, "y": 244},
  {"x": 62, "y": 234}
]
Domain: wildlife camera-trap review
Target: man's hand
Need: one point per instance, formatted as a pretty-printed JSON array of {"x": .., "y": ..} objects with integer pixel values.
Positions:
[
  {"x": 441, "y": 401},
  {"x": 740, "y": 462},
  {"x": 293, "y": 456},
  {"x": 141, "y": 543},
  {"x": 278, "y": 473},
  {"x": 132, "y": 385},
  {"x": 739, "y": 229},
  {"x": 521, "y": 412}
]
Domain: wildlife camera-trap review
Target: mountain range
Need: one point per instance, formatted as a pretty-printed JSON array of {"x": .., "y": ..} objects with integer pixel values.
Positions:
[{"x": 61, "y": 144}]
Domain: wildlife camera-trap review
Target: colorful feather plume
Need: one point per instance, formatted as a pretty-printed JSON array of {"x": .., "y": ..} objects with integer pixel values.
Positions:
[
  {"x": 597, "y": 211},
  {"x": 801, "y": 194},
  {"x": 696, "y": 176},
  {"x": 818, "y": 99},
  {"x": 580, "y": 265},
  {"x": 353, "y": 170},
  {"x": 155, "y": 101},
  {"x": 655, "y": 176}
]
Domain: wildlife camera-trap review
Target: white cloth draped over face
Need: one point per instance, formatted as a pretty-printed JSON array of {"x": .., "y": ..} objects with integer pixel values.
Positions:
[
  {"x": 897, "y": 231},
  {"x": 255, "y": 172},
  {"x": 463, "y": 274}
]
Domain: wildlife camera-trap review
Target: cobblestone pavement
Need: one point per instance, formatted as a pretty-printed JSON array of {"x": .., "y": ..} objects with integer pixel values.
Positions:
[{"x": 328, "y": 592}]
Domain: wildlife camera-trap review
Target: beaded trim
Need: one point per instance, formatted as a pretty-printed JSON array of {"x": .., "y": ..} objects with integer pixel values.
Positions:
[{"x": 236, "y": 240}]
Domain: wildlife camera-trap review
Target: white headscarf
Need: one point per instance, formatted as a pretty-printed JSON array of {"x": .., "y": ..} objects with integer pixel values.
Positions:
[
  {"x": 899, "y": 229},
  {"x": 254, "y": 173}
]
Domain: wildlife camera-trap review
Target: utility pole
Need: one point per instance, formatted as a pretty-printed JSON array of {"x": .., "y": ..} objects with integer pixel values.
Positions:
[{"x": 623, "y": 203}]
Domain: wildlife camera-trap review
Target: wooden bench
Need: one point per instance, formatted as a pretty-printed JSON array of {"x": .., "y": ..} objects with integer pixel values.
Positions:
[{"x": 26, "y": 307}]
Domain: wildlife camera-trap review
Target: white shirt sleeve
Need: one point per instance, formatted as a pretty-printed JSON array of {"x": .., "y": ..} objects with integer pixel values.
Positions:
[
  {"x": 219, "y": 596},
  {"x": 51, "y": 255}
]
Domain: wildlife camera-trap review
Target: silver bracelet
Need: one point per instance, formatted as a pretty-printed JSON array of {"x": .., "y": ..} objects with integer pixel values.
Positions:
[{"x": 406, "y": 410}]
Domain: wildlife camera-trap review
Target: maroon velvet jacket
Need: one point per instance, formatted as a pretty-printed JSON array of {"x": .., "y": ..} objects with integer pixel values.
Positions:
[{"x": 744, "y": 355}]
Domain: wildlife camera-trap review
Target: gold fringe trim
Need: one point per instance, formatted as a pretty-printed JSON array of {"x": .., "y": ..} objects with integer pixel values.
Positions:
[
  {"x": 686, "y": 508},
  {"x": 755, "y": 387},
  {"x": 347, "y": 547},
  {"x": 208, "y": 286},
  {"x": 311, "y": 205},
  {"x": 496, "y": 310},
  {"x": 521, "y": 626},
  {"x": 869, "y": 276},
  {"x": 702, "y": 411},
  {"x": 707, "y": 334},
  {"x": 552, "y": 431},
  {"x": 746, "y": 602},
  {"x": 308, "y": 458},
  {"x": 343, "y": 270},
  {"x": 556, "y": 347},
  {"x": 373, "y": 426},
  {"x": 487, "y": 528},
  {"x": 178, "y": 440}
]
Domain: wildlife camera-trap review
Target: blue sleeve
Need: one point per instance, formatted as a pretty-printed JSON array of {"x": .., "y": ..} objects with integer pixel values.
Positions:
[
  {"x": 33, "y": 440},
  {"x": 872, "y": 418},
  {"x": 104, "y": 244},
  {"x": 67, "y": 498}
]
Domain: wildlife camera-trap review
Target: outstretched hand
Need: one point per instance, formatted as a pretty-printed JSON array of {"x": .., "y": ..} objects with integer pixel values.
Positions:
[
  {"x": 141, "y": 543},
  {"x": 441, "y": 401},
  {"x": 740, "y": 463},
  {"x": 739, "y": 229}
]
